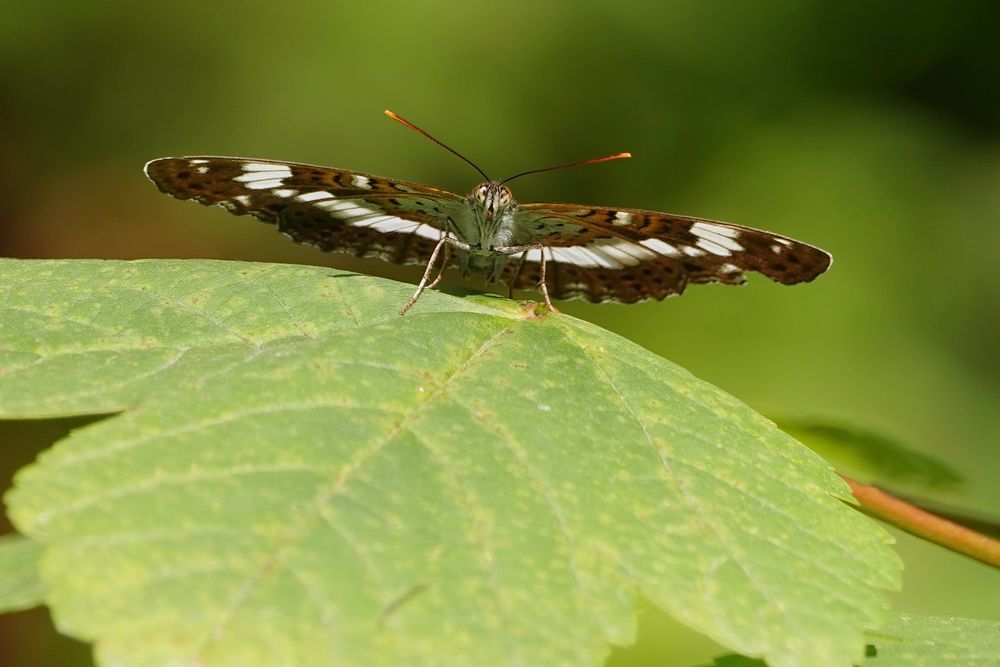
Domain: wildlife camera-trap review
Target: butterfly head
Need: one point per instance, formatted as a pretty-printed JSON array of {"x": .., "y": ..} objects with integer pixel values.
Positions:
[{"x": 493, "y": 199}]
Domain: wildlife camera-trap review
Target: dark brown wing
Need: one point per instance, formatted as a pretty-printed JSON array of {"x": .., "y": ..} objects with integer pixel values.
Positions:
[
  {"x": 627, "y": 255},
  {"x": 332, "y": 209}
]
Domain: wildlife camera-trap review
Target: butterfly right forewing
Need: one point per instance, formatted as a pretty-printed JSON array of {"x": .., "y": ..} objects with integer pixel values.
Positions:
[{"x": 627, "y": 255}]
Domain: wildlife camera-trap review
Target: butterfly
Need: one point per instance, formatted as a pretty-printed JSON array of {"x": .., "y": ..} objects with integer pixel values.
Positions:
[{"x": 598, "y": 253}]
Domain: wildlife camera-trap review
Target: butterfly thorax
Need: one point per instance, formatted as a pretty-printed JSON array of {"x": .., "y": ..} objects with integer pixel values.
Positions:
[
  {"x": 487, "y": 225},
  {"x": 490, "y": 223}
]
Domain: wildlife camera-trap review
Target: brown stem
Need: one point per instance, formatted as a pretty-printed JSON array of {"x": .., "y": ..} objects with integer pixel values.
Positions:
[{"x": 879, "y": 504}]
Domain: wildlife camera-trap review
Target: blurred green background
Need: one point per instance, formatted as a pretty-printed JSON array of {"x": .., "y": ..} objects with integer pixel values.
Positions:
[{"x": 871, "y": 129}]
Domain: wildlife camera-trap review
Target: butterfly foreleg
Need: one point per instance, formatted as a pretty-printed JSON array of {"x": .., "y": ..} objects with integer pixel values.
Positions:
[
  {"x": 443, "y": 243},
  {"x": 444, "y": 265},
  {"x": 515, "y": 274},
  {"x": 513, "y": 250}
]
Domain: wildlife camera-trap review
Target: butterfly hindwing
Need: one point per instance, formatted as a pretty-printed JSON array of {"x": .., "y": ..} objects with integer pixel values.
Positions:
[
  {"x": 335, "y": 210},
  {"x": 567, "y": 280},
  {"x": 629, "y": 255}
]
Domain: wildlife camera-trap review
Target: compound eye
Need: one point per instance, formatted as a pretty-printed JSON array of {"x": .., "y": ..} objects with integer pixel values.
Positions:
[
  {"x": 505, "y": 197},
  {"x": 481, "y": 193}
]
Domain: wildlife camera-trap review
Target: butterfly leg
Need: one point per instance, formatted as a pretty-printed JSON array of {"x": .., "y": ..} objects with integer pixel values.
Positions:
[
  {"x": 444, "y": 265},
  {"x": 513, "y": 277},
  {"x": 512, "y": 250},
  {"x": 541, "y": 282},
  {"x": 445, "y": 243},
  {"x": 427, "y": 272}
]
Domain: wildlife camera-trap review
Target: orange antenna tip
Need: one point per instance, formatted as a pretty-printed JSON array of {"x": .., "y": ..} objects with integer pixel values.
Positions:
[
  {"x": 616, "y": 156},
  {"x": 399, "y": 119}
]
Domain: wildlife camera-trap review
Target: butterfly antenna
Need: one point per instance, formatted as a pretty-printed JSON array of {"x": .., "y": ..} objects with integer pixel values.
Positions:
[
  {"x": 439, "y": 143},
  {"x": 617, "y": 156}
]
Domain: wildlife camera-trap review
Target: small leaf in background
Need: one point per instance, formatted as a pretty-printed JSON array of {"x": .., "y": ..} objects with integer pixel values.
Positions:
[
  {"x": 20, "y": 587},
  {"x": 919, "y": 641},
  {"x": 887, "y": 463},
  {"x": 868, "y": 454},
  {"x": 735, "y": 661},
  {"x": 929, "y": 641},
  {"x": 303, "y": 477}
]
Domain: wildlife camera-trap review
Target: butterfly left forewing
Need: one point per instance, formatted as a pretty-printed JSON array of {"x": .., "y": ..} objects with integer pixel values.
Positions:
[
  {"x": 631, "y": 254},
  {"x": 335, "y": 210}
]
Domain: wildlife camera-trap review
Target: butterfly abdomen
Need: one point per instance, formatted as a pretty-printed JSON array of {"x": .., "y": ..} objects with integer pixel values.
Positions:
[{"x": 490, "y": 265}]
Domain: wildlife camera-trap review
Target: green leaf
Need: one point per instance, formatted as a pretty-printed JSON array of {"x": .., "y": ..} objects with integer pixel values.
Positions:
[
  {"x": 101, "y": 340},
  {"x": 928, "y": 641},
  {"x": 304, "y": 477},
  {"x": 734, "y": 660},
  {"x": 20, "y": 587},
  {"x": 920, "y": 641},
  {"x": 871, "y": 454}
]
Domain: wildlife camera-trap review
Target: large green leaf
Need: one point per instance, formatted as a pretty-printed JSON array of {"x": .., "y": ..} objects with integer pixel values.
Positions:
[
  {"x": 304, "y": 477},
  {"x": 20, "y": 587}
]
